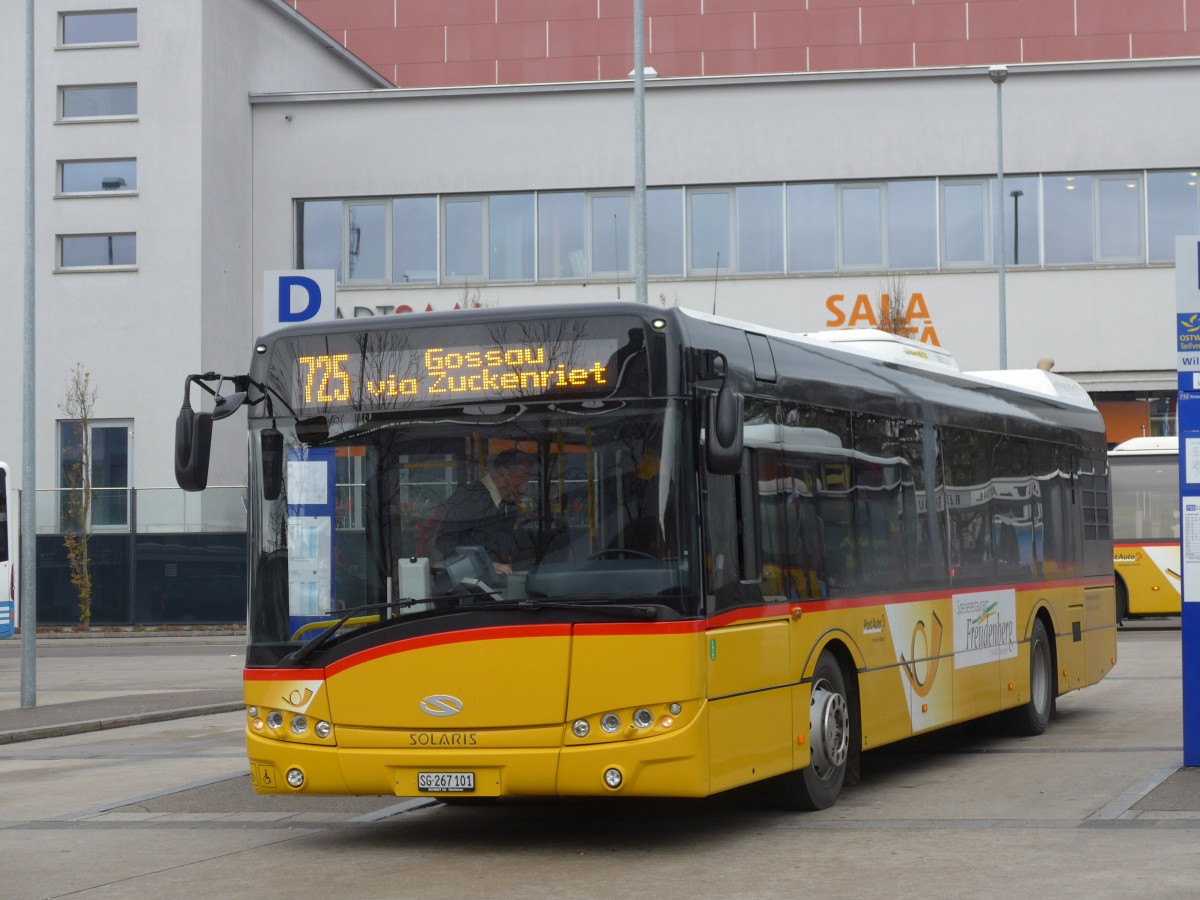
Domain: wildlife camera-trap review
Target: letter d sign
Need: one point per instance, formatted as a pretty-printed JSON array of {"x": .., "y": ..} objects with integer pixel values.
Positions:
[{"x": 304, "y": 295}]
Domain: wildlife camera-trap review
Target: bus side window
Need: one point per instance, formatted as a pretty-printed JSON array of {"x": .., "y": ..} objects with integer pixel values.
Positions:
[
  {"x": 732, "y": 559},
  {"x": 968, "y": 498}
]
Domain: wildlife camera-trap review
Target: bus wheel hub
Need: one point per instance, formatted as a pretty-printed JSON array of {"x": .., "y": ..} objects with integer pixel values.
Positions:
[{"x": 829, "y": 730}]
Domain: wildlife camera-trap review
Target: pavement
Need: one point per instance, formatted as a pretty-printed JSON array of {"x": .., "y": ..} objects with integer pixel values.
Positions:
[
  {"x": 103, "y": 680},
  {"x": 97, "y": 680}
]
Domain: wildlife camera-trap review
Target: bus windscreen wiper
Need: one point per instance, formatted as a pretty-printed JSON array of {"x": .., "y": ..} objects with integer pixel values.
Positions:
[
  {"x": 531, "y": 605},
  {"x": 296, "y": 657}
]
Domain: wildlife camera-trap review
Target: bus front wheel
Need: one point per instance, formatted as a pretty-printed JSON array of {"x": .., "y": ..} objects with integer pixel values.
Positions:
[
  {"x": 830, "y": 730},
  {"x": 1032, "y": 718}
]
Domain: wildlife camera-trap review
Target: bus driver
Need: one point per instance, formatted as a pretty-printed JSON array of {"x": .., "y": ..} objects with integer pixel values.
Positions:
[{"x": 484, "y": 513}]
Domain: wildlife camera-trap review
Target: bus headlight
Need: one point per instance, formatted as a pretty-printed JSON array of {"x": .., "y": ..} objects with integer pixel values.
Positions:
[
  {"x": 299, "y": 724},
  {"x": 643, "y": 718},
  {"x": 580, "y": 728},
  {"x": 295, "y": 778},
  {"x": 613, "y": 778},
  {"x": 323, "y": 730},
  {"x": 610, "y": 722},
  {"x": 275, "y": 719}
]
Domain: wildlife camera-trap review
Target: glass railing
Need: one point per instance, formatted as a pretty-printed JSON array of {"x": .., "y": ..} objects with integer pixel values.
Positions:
[{"x": 147, "y": 510}]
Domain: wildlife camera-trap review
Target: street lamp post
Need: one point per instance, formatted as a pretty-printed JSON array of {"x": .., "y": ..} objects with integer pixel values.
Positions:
[
  {"x": 1016, "y": 195},
  {"x": 639, "y": 155},
  {"x": 998, "y": 74}
]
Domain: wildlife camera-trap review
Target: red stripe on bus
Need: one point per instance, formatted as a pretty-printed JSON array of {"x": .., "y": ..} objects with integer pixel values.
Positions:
[{"x": 282, "y": 674}]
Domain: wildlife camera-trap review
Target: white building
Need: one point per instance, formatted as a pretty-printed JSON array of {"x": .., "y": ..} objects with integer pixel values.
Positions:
[{"x": 144, "y": 238}]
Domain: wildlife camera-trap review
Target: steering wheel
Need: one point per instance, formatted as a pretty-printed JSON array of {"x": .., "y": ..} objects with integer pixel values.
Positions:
[{"x": 621, "y": 552}]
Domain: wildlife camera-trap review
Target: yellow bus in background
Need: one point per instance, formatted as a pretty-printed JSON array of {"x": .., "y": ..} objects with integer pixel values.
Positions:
[{"x": 1145, "y": 486}]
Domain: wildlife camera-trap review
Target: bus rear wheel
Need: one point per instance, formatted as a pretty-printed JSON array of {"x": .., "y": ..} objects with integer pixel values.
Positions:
[
  {"x": 830, "y": 730},
  {"x": 1032, "y": 718},
  {"x": 1122, "y": 602}
]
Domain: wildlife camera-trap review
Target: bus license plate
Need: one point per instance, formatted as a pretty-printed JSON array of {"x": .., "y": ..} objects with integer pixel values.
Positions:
[{"x": 446, "y": 782}]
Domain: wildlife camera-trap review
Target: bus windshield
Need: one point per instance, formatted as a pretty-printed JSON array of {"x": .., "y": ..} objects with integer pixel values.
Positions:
[
  {"x": 568, "y": 504},
  {"x": 1145, "y": 497}
]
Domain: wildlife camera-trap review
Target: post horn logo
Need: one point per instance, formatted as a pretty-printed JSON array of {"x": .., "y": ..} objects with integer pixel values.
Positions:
[{"x": 932, "y": 650}]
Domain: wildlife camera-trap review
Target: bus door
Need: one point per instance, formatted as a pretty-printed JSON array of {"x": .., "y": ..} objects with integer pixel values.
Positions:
[{"x": 749, "y": 659}]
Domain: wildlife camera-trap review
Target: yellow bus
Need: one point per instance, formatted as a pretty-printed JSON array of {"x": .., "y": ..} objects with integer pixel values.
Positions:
[
  {"x": 1145, "y": 489},
  {"x": 740, "y": 554}
]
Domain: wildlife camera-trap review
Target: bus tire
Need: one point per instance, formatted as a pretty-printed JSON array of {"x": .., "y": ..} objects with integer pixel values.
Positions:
[
  {"x": 1032, "y": 718},
  {"x": 830, "y": 739},
  {"x": 1122, "y": 601}
]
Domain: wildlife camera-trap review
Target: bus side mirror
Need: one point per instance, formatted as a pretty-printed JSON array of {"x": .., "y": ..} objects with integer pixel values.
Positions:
[
  {"x": 272, "y": 463},
  {"x": 193, "y": 439},
  {"x": 723, "y": 443}
]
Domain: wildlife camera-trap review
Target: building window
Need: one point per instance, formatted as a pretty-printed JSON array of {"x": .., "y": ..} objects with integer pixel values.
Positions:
[
  {"x": 561, "y": 230},
  {"x": 664, "y": 231},
  {"x": 1171, "y": 208},
  {"x": 912, "y": 224},
  {"x": 97, "y": 176},
  {"x": 964, "y": 223},
  {"x": 835, "y": 228},
  {"x": 510, "y": 237},
  {"x": 1119, "y": 217},
  {"x": 110, "y": 26},
  {"x": 367, "y": 242},
  {"x": 861, "y": 226},
  {"x": 760, "y": 223},
  {"x": 90, "y": 251},
  {"x": 319, "y": 228},
  {"x": 1022, "y": 232},
  {"x": 610, "y": 234},
  {"x": 414, "y": 240},
  {"x": 709, "y": 228},
  {"x": 98, "y": 101},
  {"x": 1070, "y": 234},
  {"x": 106, "y": 456},
  {"x": 812, "y": 227}
]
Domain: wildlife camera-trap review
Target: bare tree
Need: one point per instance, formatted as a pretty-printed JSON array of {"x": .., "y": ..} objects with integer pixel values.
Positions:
[
  {"x": 78, "y": 403},
  {"x": 893, "y": 302}
]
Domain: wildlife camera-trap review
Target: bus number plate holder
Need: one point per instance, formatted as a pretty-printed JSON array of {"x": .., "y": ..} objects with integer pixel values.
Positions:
[{"x": 446, "y": 782}]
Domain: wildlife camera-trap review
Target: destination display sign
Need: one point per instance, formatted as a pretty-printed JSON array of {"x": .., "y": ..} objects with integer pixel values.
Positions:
[
  {"x": 446, "y": 374},
  {"x": 395, "y": 368}
]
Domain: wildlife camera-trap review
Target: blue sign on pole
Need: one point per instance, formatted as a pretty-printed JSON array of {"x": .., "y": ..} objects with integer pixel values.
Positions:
[{"x": 1187, "y": 346}]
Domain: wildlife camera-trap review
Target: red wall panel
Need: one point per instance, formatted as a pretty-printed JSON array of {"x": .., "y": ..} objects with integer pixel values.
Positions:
[
  {"x": 1115, "y": 17},
  {"x": 801, "y": 28},
  {"x": 674, "y": 34},
  {"x": 482, "y": 41},
  {"x": 932, "y": 22},
  {"x": 512, "y": 40},
  {"x": 340, "y": 15},
  {"x": 1021, "y": 18}
]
